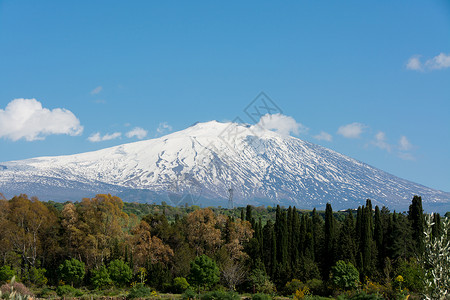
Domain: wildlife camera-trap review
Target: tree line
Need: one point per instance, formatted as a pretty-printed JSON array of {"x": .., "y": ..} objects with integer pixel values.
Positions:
[{"x": 294, "y": 251}]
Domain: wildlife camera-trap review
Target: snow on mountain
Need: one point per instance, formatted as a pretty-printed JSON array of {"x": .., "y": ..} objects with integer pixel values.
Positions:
[{"x": 203, "y": 162}]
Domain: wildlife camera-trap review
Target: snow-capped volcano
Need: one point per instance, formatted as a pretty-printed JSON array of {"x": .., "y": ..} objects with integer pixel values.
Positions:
[{"x": 207, "y": 162}]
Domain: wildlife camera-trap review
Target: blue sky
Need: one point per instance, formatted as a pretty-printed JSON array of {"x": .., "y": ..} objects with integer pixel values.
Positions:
[{"x": 369, "y": 79}]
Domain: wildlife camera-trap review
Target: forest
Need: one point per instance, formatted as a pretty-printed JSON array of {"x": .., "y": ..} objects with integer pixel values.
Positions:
[{"x": 102, "y": 246}]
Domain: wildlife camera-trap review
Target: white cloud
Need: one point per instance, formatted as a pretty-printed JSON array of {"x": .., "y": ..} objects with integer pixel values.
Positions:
[
  {"x": 282, "y": 124},
  {"x": 163, "y": 128},
  {"x": 441, "y": 61},
  {"x": 137, "y": 132},
  {"x": 323, "y": 136},
  {"x": 97, "y": 90},
  {"x": 380, "y": 141},
  {"x": 404, "y": 144},
  {"x": 414, "y": 63},
  {"x": 27, "y": 119},
  {"x": 351, "y": 131},
  {"x": 96, "y": 137}
]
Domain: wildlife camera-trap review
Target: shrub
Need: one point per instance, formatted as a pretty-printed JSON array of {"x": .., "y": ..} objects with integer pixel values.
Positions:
[
  {"x": 188, "y": 294},
  {"x": 261, "y": 282},
  {"x": 293, "y": 286},
  {"x": 47, "y": 293},
  {"x": 37, "y": 276},
  {"x": 315, "y": 286},
  {"x": 220, "y": 295},
  {"x": 344, "y": 275},
  {"x": 6, "y": 273},
  {"x": 100, "y": 277},
  {"x": 412, "y": 274},
  {"x": 301, "y": 293},
  {"x": 72, "y": 271},
  {"x": 67, "y": 290},
  {"x": 15, "y": 290},
  {"x": 261, "y": 296},
  {"x": 180, "y": 284},
  {"x": 364, "y": 296},
  {"x": 139, "y": 291},
  {"x": 204, "y": 272},
  {"x": 119, "y": 272}
]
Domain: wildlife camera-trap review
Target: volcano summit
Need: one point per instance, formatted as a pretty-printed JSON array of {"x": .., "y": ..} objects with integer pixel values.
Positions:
[{"x": 207, "y": 162}]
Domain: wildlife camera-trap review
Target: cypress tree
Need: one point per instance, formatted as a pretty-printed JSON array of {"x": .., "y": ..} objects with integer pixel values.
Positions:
[
  {"x": 400, "y": 243},
  {"x": 317, "y": 229},
  {"x": 347, "y": 245},
  {"x": 415, "y": 216},
  {"x": 366, "y": 247},
  {"x": 295, "y": 235},
  {"x": 289, "y": 248},
  {"x": 248, "y": 214},
  {"x": 227, "y": 230},
  {"x": 281, "y": 232},
  {"x": 436, "y": 228},
  {"x": 358, "y": 228},
  {"x": 260, "y": 237},
  {"x": 302, "y": 235},
  {"x": 378, "y": 236},
  {"x": 329, "y": 242},
  {"x": 269, "y": 247},
  {"x": 309, "y": 239}
]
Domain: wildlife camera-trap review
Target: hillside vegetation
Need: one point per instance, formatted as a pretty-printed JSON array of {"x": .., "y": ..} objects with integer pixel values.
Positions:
[{"x": 102, "y": 245}]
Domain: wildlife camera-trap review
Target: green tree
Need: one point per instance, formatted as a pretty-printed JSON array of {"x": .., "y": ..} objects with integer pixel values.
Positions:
[
  {"x": 436, "y": 229},
  {"x": 72, "y": 271},
  {"x": 415, "y": 216},
  {"x": 180, "y": 284},
  {"x": 329, "y": 250},
  {"x": 100, "y": 277},
  {"x": 367, "y": 244},
  {"x": 261, "y": 282},
  {"x": 37, "y": 276},
  {"x": 281, "y": 233},
  {"x": 204, "y": 272},
  {"x": 344, "y": 275},
  {"x": 378, "y": 235},
  {"x": 6, "y": 273},
  {"x": 346, "y": 247},
  {"x": 119, "y": 272},
  {"x": 269, "y": 247}
]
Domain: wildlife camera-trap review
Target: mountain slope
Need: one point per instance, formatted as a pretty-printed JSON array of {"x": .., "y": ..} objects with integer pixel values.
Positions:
[{"x": 201, "y": 164}]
